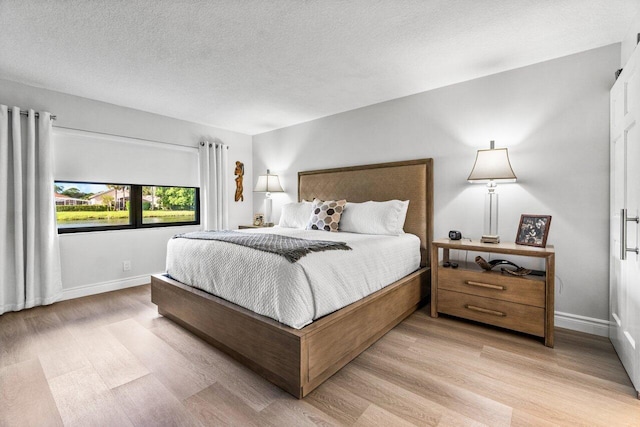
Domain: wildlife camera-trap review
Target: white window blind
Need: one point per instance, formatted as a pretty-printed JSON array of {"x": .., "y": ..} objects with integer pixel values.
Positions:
[{"x": 97, "y": 157}]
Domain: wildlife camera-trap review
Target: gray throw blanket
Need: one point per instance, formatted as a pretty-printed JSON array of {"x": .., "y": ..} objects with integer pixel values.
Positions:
[{"x": 291, "y": 248}]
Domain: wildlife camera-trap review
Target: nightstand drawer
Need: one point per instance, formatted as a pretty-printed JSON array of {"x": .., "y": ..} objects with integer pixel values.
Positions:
[
  {"x": 518, "y": 317},
  {"x": 493, "y": 285}
]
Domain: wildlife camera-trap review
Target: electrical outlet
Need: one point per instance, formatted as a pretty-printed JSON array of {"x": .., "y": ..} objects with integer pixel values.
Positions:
[{"x": 126, "y": 265}]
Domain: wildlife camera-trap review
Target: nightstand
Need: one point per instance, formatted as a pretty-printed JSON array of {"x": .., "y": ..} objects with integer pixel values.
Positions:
[
  {"x": 524, "y": 304},
  {"x": 240, "y": 227}
]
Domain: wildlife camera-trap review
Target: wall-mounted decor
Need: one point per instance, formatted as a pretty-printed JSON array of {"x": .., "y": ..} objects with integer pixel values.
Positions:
[
  {"x": 239, "y": 172},
  {"x": 533, "y": 230}
]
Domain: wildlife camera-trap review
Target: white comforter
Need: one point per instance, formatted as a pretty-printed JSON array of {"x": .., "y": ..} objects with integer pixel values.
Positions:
[{"x": 294, "y": 293}]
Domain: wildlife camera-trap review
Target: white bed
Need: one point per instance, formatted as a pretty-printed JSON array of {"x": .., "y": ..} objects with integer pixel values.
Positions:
[
  {"x": 299, "y": 360},
  {"x": 294, "y": 294}
]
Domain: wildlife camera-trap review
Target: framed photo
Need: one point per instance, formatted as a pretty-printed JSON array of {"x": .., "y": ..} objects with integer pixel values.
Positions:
[
  {"x": 258, "y": 219},
  {"x": 533, "y": 230}
]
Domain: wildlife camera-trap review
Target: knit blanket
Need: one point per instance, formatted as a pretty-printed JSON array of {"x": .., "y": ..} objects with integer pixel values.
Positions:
[{"x": 291, "y": 248}]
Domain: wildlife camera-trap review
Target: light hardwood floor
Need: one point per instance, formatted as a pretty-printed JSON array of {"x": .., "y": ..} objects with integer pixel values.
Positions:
[{"x": 110, "y": 360}]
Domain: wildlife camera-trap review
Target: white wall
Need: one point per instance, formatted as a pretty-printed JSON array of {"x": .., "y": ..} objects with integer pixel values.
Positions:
[
  {"x": 93, "y": 261},
  {"x": 630, "y": 40},
  {"x": 553, "y": 117}
]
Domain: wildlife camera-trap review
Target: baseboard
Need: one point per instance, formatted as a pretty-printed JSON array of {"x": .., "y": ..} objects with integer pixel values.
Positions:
[
  {"x": 579, "y": 323},
  {"x": 98, "y": 288}
]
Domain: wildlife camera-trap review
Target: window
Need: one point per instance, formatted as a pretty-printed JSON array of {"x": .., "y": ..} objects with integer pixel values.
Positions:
[
  {"x": 87, "y": 206},
  {"x": 162, "y": 205}
]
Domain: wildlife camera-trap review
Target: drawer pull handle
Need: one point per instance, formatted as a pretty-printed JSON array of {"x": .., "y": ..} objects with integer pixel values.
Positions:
[
  {"x": 485, "y": 285},
  {"x": 484, "y": 310}
]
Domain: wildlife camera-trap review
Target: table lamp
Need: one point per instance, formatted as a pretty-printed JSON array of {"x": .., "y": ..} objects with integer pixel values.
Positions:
[
  {"x": 268, "y": 184},
  {"x": 492, "y": 166}
]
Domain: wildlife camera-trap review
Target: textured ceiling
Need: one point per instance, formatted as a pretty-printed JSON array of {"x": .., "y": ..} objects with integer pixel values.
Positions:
[{"x": 254, "y": 66}]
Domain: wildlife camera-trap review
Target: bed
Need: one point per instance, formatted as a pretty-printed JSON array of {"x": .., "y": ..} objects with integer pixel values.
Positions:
[{"x": 299, "y": 360}]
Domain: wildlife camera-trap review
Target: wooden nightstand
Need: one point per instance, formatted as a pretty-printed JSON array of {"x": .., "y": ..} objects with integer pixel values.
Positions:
[
  {"x": 240, "y": 227},
  {"x": 524, "y": 304}
]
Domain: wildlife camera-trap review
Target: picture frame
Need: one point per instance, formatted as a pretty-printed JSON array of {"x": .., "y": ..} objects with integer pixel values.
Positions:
[
  {"x": 258, "y": 220},
  {"x": 533, "y": 230}
]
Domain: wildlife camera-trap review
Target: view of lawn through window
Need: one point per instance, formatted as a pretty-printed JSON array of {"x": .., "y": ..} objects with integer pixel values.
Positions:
[
  {"x": 104, "y": 205},
  {"x": 168, "y": 204}
]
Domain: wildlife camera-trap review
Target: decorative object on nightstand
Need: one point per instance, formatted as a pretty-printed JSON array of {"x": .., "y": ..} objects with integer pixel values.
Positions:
[
  {"x": 515, "y": 271},
  {"x": 520, "y": 303},
  {"x": 492, "y": 166},
  {"x": 258, "y": 220},
  {"x": 533, "y": 230},
  {"x": 268, "y": 184}
]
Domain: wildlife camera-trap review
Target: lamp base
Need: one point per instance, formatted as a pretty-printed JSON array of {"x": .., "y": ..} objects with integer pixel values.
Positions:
[
  {"x": 268, "y": 203},
  {"x": 489, "y": 238}
]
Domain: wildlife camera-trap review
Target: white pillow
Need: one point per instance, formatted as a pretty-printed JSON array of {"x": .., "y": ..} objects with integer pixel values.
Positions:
[
  {"x": 295, "y": 215},
  {"x": 385, "y": 218}
]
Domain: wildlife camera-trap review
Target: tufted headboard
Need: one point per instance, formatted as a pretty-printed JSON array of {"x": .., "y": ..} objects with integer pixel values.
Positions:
[{"x": 407, "y": 180}]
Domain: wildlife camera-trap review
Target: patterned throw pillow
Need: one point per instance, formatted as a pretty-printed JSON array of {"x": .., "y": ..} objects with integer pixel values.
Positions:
[{"x": 326, "y": 215}]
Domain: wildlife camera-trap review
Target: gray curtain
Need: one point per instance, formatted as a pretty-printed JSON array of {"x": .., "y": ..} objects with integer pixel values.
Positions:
[{"x": 29, "y": 249}]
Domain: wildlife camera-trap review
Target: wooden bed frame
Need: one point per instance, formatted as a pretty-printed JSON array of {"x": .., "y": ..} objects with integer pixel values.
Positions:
[{"x": 299, "y": 360}]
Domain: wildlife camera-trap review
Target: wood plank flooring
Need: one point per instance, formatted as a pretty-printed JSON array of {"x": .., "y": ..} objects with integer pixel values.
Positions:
[{"x": 111, "y": 360}]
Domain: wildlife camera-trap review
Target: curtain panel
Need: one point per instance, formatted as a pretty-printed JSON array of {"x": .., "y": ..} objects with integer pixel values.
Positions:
[
  {"x": 214, "y": 185},
  {"x": 29, "y": 249}
]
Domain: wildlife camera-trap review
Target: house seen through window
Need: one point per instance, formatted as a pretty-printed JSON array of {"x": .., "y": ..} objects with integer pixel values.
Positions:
[{"x": 83, "y": 206}]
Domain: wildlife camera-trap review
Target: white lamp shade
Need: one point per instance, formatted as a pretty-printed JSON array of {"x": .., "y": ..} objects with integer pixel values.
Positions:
[
  {"x": 492, "y": 165},
  {"x": 268, "y": 184}
]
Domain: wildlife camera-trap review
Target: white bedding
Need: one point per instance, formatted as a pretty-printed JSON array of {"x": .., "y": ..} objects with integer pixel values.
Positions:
[{"x": 294, "y": 293}]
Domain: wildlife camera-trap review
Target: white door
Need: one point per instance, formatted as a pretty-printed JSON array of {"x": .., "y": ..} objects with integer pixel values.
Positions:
[{"x": 625, "y": 209}]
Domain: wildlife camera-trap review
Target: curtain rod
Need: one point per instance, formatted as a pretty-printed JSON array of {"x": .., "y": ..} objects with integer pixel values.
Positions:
[
  {"x": 26, "y": 113},
  {"x": 128, "y": 137},
  {"x": 211, "y": 144}
]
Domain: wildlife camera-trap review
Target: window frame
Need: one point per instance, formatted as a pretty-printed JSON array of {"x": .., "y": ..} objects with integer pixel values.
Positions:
[{"x": 135, "y": 210}]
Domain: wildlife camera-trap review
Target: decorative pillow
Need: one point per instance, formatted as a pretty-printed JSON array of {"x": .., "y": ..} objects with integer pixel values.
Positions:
[
  {"x": 385, "y": 218},
  {"x": 295, "y": 215},
  {"x": 326, "y": 215}
]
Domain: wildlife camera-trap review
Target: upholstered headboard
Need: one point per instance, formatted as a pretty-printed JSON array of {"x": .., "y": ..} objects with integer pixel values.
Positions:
[{"x": 408, "y": 180}]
